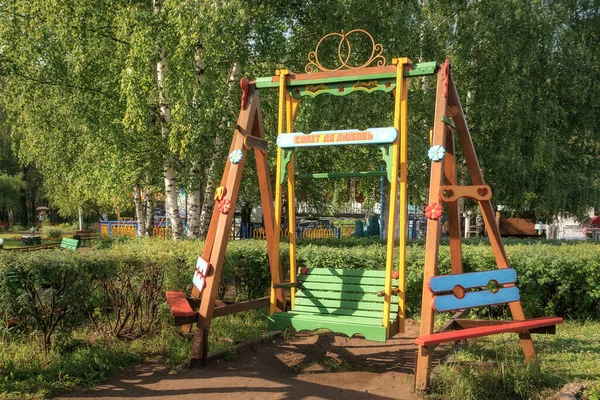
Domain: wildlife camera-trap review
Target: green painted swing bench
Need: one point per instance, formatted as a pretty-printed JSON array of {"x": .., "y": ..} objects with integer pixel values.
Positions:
[{"x": 342, "y": 300}]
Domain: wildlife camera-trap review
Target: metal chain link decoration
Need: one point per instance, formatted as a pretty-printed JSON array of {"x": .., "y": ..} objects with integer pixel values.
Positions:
[{"x": 313, "y": 57}]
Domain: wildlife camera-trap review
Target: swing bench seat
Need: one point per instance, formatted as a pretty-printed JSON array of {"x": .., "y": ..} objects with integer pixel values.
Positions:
[
  {"x": 341, "y": 300},
  {"x": 450, "y": 295}
]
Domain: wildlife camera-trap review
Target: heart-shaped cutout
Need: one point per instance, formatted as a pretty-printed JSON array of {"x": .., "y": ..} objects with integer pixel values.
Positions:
[
  {"x": 448, "y": 194},
  {"x": 482, "y": 192}
]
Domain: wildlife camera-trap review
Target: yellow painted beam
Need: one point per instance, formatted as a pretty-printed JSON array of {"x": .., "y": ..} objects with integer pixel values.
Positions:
[
  {"x": 402, "y": 88},
  {"x": 291, "y": 106},
  {"x": 282, "y": 73}
]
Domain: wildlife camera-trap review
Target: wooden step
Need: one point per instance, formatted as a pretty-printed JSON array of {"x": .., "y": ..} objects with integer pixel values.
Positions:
[{"x": 462, "y": 334}]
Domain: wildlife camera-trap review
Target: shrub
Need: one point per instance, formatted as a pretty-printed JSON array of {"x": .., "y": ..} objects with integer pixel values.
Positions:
[
  {"x": 53, "y": 233},
  {"x": 45, "y": 290},
  {"x": 122, "y": 288}
]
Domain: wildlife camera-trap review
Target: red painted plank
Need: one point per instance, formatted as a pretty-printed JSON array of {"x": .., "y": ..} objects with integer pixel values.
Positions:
[
  {"x": 179, "y": 305},
  {"x": 517, "y": 326}
]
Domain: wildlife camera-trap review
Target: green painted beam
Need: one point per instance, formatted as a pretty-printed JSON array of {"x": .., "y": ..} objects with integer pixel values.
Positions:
[
  {"x": 421, "y": 69},
  {"x": 329, "y": 175}
]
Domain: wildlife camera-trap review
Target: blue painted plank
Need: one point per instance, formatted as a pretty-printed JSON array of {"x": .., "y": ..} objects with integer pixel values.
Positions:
[
  {"x": 475, "y": 299},
  {"x": 337, "y": 138},
  {"x": 445, "y": 283}
]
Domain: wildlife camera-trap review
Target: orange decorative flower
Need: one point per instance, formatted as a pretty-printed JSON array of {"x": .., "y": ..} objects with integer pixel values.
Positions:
[
  {"x": 434, "y": 211},
  {"x": 224, "y": 206}
]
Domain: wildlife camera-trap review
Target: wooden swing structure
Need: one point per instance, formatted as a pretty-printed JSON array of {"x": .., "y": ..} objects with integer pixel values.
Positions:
[{"x": 370, "y": 303}]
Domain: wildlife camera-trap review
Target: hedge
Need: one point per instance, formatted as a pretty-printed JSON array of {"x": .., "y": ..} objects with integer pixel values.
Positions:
[{"x": 122, "y": 288}]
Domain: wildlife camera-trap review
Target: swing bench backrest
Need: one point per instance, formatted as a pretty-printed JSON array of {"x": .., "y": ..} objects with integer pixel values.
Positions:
[{"x": 342, "y": 300}]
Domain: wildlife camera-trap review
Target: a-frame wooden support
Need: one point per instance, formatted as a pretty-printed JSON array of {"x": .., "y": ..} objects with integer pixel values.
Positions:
[
  {"x": 449, "y": 118},
  {"x": 249, "y": 135}
]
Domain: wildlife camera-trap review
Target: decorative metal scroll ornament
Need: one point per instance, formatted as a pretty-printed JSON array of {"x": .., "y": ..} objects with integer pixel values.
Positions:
[{"x": 314, "y": 65}]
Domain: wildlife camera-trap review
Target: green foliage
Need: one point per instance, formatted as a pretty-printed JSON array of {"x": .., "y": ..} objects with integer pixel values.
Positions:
[
  {"x": 593, "y": 392},
  {"x": 46, "y": 291}
]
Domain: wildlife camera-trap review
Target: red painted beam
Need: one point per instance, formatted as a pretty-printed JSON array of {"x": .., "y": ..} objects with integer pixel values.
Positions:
[
  {"x": 179, "y": 305},
  {"x": 516, "y": 326}
]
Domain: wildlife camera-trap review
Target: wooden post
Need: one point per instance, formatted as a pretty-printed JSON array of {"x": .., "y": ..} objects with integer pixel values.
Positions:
[
  {"x": 266, "y": 198},
  {"x": 249, "y": 123},
  {"x": 389, "y": 261},
  {"x": 278, "y": 195},
  {"x": 291, "y": 106},
  {"x": 432, "y": 243},
  {"x": 402, "y": 126},
  {"x": 452, "y": 207}
]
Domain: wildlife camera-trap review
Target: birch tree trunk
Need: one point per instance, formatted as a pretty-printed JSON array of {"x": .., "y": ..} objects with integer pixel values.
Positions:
[
  {"x": 80, "y": 219},
  {"x": 149, "y": 206},
  {"x": 140, "y": 213},
  {"x": 195, "y": 197},
  {"x": 208, "y": 201},
  {"x": 194, "y": 203},
  {"x": 171, "y": 187}
]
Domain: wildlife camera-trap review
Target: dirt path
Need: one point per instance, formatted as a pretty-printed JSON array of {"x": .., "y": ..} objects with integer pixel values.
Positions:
[{"x": 305, "y": 367}]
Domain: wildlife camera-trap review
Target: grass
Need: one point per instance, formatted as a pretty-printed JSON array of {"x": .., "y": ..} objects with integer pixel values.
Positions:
[
  {"x": 86, "y": 357},
  {"x": 493, "y": 367}
]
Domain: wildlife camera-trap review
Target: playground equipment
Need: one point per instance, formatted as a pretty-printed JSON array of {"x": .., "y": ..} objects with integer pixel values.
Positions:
[{"x": 371, "y": 303}]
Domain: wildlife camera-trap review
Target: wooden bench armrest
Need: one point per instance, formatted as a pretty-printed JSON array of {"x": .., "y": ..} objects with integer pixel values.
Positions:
[{"x": 287, "y": 285}]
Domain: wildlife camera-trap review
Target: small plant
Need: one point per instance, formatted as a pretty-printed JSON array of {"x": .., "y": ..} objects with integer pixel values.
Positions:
[{"x": 53, "y": 233}]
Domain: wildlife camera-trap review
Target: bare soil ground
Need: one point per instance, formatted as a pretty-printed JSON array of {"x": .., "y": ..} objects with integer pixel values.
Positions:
[{"x": 306, "y": 366}]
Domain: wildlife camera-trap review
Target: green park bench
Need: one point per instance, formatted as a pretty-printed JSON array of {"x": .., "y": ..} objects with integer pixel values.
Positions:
[{"x": 71, "y": 244}]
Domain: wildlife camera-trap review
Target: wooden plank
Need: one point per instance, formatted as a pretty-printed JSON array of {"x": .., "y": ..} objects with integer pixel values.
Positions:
[
  {"x": 346, "y": 272},
  {"x": 217, "y": 255},
  {"x": 316, "y": 309},
  {"x": 333, "y": 318},
  {"x": 256, "y": 143},
  {"x": 402, "y": 126},
  {"x": 477, "y": 192},
  {"x": 266, "y": 199},
  {"x": 278, "y": 179},
  {"x": 342, "y": 281},
  {"x": 473, "y": 323},
  {"x": 516, "y": 326},
  {"x": 371, "y": 329},
  {"x": 388, "y": 71},
  {"x": 469, "y": 280},
  {"x": 335, "y": 295},
  {"x": 241, "y": 307},
  {"x": 480, "y": 298},
  {"x": 291, "y": 107},
  {"x": 337, "y": 138},
  {"x": 179, "y": 304},
  {"x": 347, "y": 288},
  {"x": 344, "y": 88},
  {"x": 338, "y": 303},
  {"x": 333, "y": 175},
  {"x": 432, "y": 243},
  {"x": 453, "y": 207}
]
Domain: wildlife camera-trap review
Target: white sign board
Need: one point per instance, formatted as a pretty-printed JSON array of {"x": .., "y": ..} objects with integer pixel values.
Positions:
[{"x": 202, "y": 269}]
